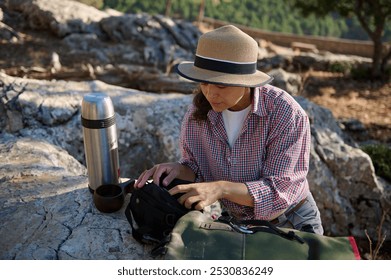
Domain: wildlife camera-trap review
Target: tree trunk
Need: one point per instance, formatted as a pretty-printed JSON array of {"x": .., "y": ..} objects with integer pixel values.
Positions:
[
  {"x": 384, "y": 63},
  {"x": 168, "y": 8},
  {"x": 377, "y": 58},
  {"x": 375, "y": 34},
  {"x": 201, "y": 12}
]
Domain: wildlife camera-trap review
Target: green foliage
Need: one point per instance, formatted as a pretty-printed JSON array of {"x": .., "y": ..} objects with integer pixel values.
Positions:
[
  {"x": 340, "y": 67},
  {"x": 371, "y": 15},
  {"x": 387, "y": 74},
  {"x": 360, "y": 72},
  {"x": 271, "y": 15},
  {"x": 381, "y": 158}
]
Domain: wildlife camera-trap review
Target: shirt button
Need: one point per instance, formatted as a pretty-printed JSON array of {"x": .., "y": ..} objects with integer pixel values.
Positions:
[{"x": 229, "y": 159}]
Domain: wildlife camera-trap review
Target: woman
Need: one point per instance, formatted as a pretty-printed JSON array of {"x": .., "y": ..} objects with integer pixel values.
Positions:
[{"x": 244, "y": 143}]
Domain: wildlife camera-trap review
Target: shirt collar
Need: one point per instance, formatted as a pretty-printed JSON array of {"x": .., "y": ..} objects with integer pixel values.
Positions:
[{"x": 258, "y": 104}]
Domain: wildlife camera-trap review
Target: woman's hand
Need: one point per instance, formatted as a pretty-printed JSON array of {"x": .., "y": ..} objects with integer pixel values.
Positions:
[
  {"x": 198, "y": 194},
  {"x": 171, "y": 170},
  {"x": 204, "y": 194}
]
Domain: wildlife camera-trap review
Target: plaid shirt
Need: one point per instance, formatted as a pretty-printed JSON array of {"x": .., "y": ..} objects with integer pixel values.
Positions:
[{"x": 271, "y": 154}]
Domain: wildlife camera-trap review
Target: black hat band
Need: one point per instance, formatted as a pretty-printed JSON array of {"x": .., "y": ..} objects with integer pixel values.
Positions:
[{"x": 225, "y": 66}]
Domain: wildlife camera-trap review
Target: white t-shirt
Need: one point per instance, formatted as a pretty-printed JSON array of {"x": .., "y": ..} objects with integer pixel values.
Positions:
[{"x": 233, "y": 122}]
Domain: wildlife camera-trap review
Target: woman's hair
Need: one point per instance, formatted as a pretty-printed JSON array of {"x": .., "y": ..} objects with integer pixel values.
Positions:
[{"x": 201, "y": 104}]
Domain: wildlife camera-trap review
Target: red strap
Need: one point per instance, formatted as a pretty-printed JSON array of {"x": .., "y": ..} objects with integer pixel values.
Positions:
[{"x": 354, "y": 247}]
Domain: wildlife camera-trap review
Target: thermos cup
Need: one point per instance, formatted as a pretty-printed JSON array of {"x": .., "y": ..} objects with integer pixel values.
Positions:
[{"x": 100, "y": 140}]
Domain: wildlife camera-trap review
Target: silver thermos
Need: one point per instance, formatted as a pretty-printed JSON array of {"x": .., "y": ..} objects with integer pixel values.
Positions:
[{"x": 100, "y": 140}]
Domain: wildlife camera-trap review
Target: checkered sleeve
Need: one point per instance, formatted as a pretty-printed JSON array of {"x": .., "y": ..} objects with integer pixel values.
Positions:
[
  {"x": 283, "y": 177},
  {"x": 187, "y": 157}
]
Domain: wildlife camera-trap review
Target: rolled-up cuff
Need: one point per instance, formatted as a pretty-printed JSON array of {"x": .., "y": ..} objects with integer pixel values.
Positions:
[{"x": 193, "y": 167}]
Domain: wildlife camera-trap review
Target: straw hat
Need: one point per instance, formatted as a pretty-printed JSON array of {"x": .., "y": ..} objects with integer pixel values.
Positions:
[{"x": 225, "y": 56}]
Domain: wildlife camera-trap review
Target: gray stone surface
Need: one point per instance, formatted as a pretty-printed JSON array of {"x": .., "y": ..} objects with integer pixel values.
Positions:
[{"x": 47, "y": 211}]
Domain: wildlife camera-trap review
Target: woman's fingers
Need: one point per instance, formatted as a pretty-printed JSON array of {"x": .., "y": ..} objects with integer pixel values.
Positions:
[
  {"x": 160, "y": 170},
  {"x": 169, "y": 178},
  {"x": 144, "y": 177},
  {"x": 192, "y": 198},
  {"x": 171, "y": 170}
]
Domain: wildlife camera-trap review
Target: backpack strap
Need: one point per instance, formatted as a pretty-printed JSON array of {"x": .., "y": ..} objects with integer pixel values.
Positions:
[
  {"x": 258, "y": 225},
  {"x": 161, "y": 249},
  {"x": 140, "y": 233}
]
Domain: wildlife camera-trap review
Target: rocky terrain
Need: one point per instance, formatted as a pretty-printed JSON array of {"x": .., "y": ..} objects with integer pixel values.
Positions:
[{"x": 54, "y": 52}]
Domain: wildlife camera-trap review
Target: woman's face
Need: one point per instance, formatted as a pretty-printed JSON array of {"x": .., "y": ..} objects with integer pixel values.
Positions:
[{"x": 224, "y": 97}]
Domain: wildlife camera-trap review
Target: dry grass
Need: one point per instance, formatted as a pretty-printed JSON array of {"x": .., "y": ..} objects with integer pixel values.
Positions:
[{"x": 381, "y": 237}]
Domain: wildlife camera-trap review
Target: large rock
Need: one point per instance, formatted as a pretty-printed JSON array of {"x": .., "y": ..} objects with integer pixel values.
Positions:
[
  {"x": 289, "y": 82},
  {"x": 343, "y": 179},
  {"x": 124, "y": 49},
  {"x": 148, "y": 124},
  {"x": 47, "y": 210},
  {"x": 141, "y": 39},
  {"x": 61, "y": 17}
]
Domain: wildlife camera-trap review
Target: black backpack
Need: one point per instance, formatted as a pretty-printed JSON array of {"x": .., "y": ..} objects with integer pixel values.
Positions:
[{"x": 152, "y": 212}]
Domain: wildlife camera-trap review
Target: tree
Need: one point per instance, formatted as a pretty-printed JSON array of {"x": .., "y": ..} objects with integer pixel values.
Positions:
[
  {"x": 201, "y": 12},
  {"x": 168, "y": 8},
  {"x": 372, "y": 15}
]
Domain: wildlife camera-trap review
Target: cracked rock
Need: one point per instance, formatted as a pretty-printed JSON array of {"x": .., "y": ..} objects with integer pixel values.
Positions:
[{"x": 47, "y": 210}]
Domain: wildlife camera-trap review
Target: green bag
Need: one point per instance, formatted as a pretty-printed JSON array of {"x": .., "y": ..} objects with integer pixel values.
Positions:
[{"x": 196, "y": 236}]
